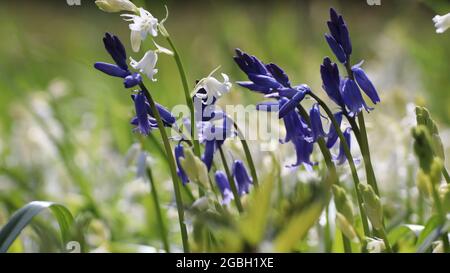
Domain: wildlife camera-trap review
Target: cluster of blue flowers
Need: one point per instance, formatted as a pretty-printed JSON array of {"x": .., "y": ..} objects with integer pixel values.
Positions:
[
  {"x": 210, "y": 134},
  {"x": 271, "y": 81}
]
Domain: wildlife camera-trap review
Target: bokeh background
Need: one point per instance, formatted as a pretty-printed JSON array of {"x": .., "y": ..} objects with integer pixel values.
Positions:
[{"x": 64, "y": 127}]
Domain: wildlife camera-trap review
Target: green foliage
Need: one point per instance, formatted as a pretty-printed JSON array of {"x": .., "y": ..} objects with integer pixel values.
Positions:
[{"x": 23, "y": 217}]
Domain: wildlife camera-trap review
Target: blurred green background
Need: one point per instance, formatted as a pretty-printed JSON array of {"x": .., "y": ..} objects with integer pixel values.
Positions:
[{"x": 64, "y": 127}]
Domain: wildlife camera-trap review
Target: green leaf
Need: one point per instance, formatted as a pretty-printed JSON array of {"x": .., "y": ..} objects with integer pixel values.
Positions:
[
  {"x": 404, "y": 230},
  {"x": 298, "y": 227},
  {"x": 23, "y": 217},
  {"x": 255, "y": 220},
  {"x": 431, "y": 225}
]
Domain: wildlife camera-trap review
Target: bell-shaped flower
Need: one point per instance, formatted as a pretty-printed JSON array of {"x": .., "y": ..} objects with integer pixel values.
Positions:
[
  {"x": 364, "y": 83},
  {"x": 144, "y": 124},
  {"x": 116, "y": 49},
  {"x": 166, "y": 116},
  {"x": 224, "y": 187},
  {"x": 352, "y": 98},
  {"x": 442, "y": 23},
  {"x": 293, "y": 102},
  {"x": 241, "y": 177},
  {"x": 116, "y": 5},
  {"x": 341, "y": 157},
  {"x": 179, "y": 153},
  {"x": 263, "y": 78},
  {"x": 147, "y": 64},
  {"x": 316, "y": 122},
  {"x": 329, "y": 72},
  {"x": 143, "y": 24},
  {"x": 211, "y": 88},
  {"x": 332, "y": 135},
  {"x": 339, "y": 38}
]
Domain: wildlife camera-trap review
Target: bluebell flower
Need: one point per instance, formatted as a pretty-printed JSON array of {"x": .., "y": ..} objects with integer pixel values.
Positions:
[
  {"x": 120, "y": 69},
  {"x": 224, "y": 187},
  {"x": 208, "y": 155},
  {"x": 364, "y": 83},
  {"x": 143, "y": 110},
  {"x": 341, "y": 157},
  {"x": 179, "y": 152},
  {"x": 263, "y": 78},
  {"x": 294, "y": 101},
  {"x": 352, "y": 98},
  {"x": 241, "y": 177},
  {"x": 316, "y": 122},
  {"x": 339, "y": 38},
  {"x": 331, "y": 81},
  {"x": 143, "y": 122},
  {"x": 332, "y": 135}
]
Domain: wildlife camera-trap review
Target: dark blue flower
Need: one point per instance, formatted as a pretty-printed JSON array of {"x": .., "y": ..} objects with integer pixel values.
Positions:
[
  {"x": 316, "y": 122},
  {"x": 166, "y": 116},
  {"x": 208, "y": 155},
  {"x": 224, "y": 187},
  {"x": 303, "y": 150},
  {"x": 179, "y": 152},
  {"x": 241, "y": 177},
  {"x": 339, "y": 38},
  {"x": 341, "y": 157},
  {"x": 293, "y": 102},
  {"x": 116, "y": 49},
  {"x": 364, "y": 83},
  {"x": 332, "y": 135},
  {"x": 295, "y": 126},
  {"x": 263, "y": 78},
  {"x": 144, "y": 124},
  {"x": 352, "y": 98},
  {"x": 331, "y": 81}
]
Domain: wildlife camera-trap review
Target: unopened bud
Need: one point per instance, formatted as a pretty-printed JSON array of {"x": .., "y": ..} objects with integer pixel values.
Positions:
[
  {"x": 346, "y": 228},
  {"x": 194, "y": 168},
  {"x": 373, "y": 206},
  {"x": 343, "y": 203}
]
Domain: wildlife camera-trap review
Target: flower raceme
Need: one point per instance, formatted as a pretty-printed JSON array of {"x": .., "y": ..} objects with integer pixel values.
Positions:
[{"x": 339, "y": 38}]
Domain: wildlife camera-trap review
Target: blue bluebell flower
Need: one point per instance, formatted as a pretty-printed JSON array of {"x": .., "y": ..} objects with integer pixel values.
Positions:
[
  {"x": 364, "y": 83},
  {"x": 352, "y": 98},
  {"x": 332, "y": 135},
  {"x": 143, "y": 122},
  {"x": 143, "y": 110},
  {"x": 294, "y": 101},
  {"x": 339, "y": 38},
  {"x": 341, "y": 157},
  {"x": 331, "y": 81},
  {"x": 263, "y": 78},
  {"x": 117, "y": 51},
  {"x": 241, "y": 177},
  {"x": 208, "y": 155},
  {"x": 224, "y": 187},
  {"x": 316, "y": 122},
  {"x": 179, "y": 152}
]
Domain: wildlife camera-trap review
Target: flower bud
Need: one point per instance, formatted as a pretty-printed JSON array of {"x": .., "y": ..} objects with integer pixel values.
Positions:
[
  {"x": 343, "y": 203},
  {"x": 436, "y": 171},
  {"x": 373, "y": 206},
  {"x": 194, "y": 168},
  {"x": 346, "y": 228},
  {"x": 445, "y": 197},
  {"x": 423, "y": 147},
  {"x": 424, "y": 183},
  {"x": 375, "y": 245},
  {"x": 116, "y": 5}
]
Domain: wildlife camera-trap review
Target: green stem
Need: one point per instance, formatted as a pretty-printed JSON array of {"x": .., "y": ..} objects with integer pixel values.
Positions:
[
  {"x": 349, "y": 160},
  {"x": 442, "y": 218},
  {"x": 331, "y": 168},
  {"x": 383, "y": 236},
  {"x": 186, "y": 95},
  {"x": 156, "y": 203},
  {"x": 237, "y": 199},
  {"x": 248, "y": 155},
  {"x": 361, "y": 137},
  {"x": 172, "y": 166},
  {"x": 446, "y": 176}
]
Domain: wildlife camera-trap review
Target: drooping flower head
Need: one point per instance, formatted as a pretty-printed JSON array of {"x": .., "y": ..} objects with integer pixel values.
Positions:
[
  {"x": 147, "y": 64},
  {"x": 224, "y": 187},
  {"x": 142, "y": 25},
  {"x": 241, "y": 177}
]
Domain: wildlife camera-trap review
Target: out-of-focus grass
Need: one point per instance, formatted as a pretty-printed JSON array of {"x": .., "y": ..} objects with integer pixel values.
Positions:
[{"x": 44, "y": 41}]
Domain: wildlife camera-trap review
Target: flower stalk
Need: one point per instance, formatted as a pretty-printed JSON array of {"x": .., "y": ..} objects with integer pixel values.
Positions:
[{"x": 173, "y": 168}]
